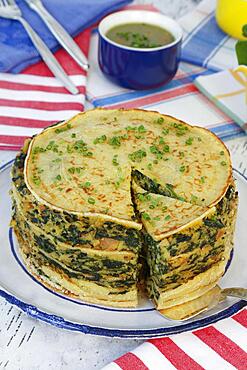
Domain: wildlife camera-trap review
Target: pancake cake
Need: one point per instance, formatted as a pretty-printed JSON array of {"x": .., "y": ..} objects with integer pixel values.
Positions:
[{"x": 95, "y": 196}]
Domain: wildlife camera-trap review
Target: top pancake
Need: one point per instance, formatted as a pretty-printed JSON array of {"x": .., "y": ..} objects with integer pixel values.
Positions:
[{"x": 85, "y": 165}]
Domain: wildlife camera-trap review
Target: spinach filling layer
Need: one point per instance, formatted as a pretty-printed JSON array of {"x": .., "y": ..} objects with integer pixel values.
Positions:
[
  {"x": 126, "y": 238},
  {"x": 118, "y": 281},
  {"x": 94, "y": 268},
  {"x": 182, "y": 256},
  {"x": 152, "y": 186},
  {"x": 89, "y": 275},
  {"x": 119, "y": 286},
  {"x": 68, "y": 227}
]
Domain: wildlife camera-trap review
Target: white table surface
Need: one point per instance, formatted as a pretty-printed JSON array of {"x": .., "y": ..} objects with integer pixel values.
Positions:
[{"x": 27, "y": 344}]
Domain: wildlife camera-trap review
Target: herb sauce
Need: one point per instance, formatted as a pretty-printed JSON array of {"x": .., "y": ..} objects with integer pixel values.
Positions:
[{"x": 140, "y": 35}]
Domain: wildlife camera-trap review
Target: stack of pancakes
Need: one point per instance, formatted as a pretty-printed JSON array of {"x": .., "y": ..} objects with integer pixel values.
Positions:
[{"x": 100, "y": 196}]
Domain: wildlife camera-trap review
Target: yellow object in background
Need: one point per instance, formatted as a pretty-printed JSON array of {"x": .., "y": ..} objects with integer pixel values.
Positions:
[{"x": 231, "y": 15}]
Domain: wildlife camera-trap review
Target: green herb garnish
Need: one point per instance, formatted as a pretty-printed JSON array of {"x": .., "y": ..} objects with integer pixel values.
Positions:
[
  {"x": 154, "y": 149},
  {"x": 120, "y": 179},
  {"x": 189, "y": 141},
  {"x": 141, "y": 129},
  {"x": 165, "y": 131},
  {"x": 115, "y": 160},
  {"x": 138, "y": 155},
  {"x": 141, "y": 197},
  {"x": 115, "y": 141},
  {"x": 194, "y": 198},
  {"x": 146, "y": 216},
  {"x": 136, "y": 39},
  {"x": 57, "y": 160},
  {"x": 166, "y": 148},
  {"x": 160, "y": 120},
  {"x": 100, "y": 139},
  {"x": 36, "y": 180},
  {"x": 63, "y": 129},
  {"x": 38, "y": 149},
  {"x": 86, "y": 184},
  {"x": 182, "y": 168},
  {"x": 161, "y": 140},
  {"x": 81, "y": 147},
  {"x": 91, "y": 200},
  {"x": 131, "y": 128},
  {"x": 180, "y": 128},
  {"x": 71, "y": 170},
  {"x": 52, "y": 146}
]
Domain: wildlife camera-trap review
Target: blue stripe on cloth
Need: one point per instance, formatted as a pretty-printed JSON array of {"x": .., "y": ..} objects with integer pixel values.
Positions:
[
  {"x": 194, "y": 30},
  {"x": 228, "y": 131},
  {"x": 203, "y": 43},
  {"x": 132, "y": 95}
]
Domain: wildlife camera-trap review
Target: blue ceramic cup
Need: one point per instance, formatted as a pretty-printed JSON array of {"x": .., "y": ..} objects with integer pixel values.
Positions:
[{"x": 135, "y": 68}]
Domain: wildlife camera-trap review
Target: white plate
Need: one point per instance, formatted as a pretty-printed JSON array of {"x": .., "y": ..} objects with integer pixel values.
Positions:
[{"x": 19, "y": 288}]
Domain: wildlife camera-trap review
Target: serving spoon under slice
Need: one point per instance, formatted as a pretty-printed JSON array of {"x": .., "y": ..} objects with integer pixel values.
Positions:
[{"x": 205, "y": 303}]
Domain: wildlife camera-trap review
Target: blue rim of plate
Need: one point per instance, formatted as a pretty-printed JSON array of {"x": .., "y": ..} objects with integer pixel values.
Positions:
[{"x": 60, "y": 322}]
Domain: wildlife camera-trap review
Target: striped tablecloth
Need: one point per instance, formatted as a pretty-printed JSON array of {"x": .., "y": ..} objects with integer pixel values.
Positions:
[
  {"x": 222, "y": 346},
  {"x": 35, "y": 99},
  {"x": 204, "y": 43}
]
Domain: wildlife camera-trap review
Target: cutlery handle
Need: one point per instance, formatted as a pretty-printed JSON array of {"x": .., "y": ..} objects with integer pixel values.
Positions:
[
  {"x": 236, "y": 292},
  {"x": 61, "y": 34},
  {"x": 49, "y": 58}
]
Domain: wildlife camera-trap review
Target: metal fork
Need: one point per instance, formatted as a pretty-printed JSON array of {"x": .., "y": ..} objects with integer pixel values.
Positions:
[
  {"x": 60, "y": 33},
  {"x": 9, "y": 9}
]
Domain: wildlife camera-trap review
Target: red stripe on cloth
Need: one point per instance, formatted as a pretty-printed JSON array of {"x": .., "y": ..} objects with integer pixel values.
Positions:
[
  {"x": 129, "y": 361},
  {"x": 12, "y": 140},
  {"x": 9, "y": 147},
  {"x": 141, "y": 7},
  {"x": 28, "y": 87},
  {"x": 41, "y": 105},
  {"x": 241, "y": 318},
  {"x": 221, "y": 344},
  {"x": 25, "y": 122},
  {"x": 175, "y": 355},
  {"x": 165, "y": 95}
]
